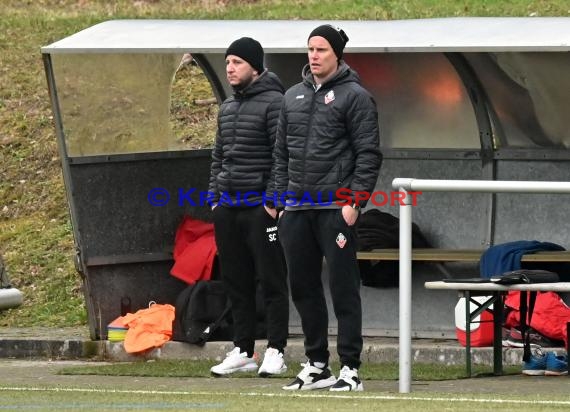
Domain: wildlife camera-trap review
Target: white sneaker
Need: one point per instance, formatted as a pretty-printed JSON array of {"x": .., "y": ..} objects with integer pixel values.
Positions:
[
  {"x": 347, "y": 381},
  {"x": 273, "y": 363},
  {"x": 235, "y": 361},
  {"x": 311, "y": 377}
]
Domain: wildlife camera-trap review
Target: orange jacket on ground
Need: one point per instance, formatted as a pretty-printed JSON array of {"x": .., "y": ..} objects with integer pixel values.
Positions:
[{"x": 148, "y": 328}]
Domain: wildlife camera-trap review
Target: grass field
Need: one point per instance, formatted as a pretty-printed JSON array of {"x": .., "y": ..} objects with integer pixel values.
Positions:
[
  {"x": 28, "y": 385},
  {"x": 57, "y": 399},
  {"x": 201, "y": 369}
]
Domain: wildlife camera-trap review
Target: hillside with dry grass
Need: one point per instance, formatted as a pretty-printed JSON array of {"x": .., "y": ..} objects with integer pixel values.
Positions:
[{"x": 35, "y": 233}]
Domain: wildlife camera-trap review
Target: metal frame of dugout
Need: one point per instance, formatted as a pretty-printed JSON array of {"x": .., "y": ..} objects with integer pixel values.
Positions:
[{"x": 458, "y": 98}]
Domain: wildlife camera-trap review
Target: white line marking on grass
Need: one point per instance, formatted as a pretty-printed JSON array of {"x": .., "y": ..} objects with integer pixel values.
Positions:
[
  {"x": 289, "y": 395},
  {"x": 406, "y": 398}
]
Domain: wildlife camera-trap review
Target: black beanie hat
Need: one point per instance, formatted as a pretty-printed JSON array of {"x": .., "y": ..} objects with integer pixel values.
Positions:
[
  {"x": 248, "y": 49},
  {"x": 337, "y": 38}
]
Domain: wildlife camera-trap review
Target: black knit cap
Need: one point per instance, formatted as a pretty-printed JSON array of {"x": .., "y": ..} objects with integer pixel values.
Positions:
[
  {"x": 337, "y": 38},
  {"x": 248, "y": 49}
]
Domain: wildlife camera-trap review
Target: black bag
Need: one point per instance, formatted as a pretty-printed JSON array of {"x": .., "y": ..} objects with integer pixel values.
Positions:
[
  {"x": 381, "y": 230},
  {"x": 202, "y": 313},
  {"x": 525, "y": 276}
]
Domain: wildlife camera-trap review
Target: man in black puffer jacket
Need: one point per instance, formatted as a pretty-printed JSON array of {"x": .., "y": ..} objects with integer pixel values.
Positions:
[
  {"x": 246, "y": 229},
  {"x": 327, "y": 139}
]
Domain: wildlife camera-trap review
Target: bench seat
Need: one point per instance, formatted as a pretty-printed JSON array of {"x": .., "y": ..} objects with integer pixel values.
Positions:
[{"x": 458, "y": 255}]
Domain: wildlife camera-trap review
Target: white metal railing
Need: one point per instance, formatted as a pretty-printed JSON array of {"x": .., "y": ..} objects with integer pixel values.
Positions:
[{"x": 406, "y": 185}]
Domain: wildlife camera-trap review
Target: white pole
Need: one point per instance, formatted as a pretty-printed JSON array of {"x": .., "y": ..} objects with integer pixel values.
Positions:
[
  {"x": 487, "y": 186},
  {"x": 405, "y": 296},
  {"x": 405, "y": 185}
]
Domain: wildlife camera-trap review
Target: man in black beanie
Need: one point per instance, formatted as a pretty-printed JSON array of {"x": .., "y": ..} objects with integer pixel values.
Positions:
[
  {"x": 249, "y": 50},
  {"x": 327, "y": 146},
  {"x": 336, "y": 38},
  {"x": 245, "y": 226}
]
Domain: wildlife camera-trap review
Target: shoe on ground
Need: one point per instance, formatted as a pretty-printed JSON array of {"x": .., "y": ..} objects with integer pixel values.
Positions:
[
  {"x": 505, "y": 334},
  {"x": 235, "y": 361},
  {"x": 514, "y": 339},
  {"x": 273, "y": 363},
  {"x": 556, "y": 365},
  {"x": 348, "y": 380},
  {"x": 536, "y": 365},
  {"x": 312, "y": 377}
]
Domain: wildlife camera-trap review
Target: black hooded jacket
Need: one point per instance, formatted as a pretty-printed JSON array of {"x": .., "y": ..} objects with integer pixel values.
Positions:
[
  {"x": 242, "y": 155},
  {"x": 326, "y": 139}
]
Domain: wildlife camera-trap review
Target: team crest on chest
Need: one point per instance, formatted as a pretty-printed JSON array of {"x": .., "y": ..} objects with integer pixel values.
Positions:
[
  {"x": 329, "y": 97},
  {"x": 340, "y": 240}
]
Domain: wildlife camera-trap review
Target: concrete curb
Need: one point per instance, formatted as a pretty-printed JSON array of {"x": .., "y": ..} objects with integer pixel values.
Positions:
[
  {"x": 50, "y": 349},
  {"x": 376, "y": 350},
  {"x": 373, "y": 352}
]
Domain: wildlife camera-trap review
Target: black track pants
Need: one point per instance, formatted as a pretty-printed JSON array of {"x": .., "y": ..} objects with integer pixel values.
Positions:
[
  {"x": 249, "y": 250},
  {"x": 307, "y": 236}
]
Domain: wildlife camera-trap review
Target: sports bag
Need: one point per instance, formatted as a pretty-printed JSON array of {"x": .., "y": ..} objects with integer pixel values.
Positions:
[
  {"x": 202, "y": 313},
  {"x": 526, "y": 276}
]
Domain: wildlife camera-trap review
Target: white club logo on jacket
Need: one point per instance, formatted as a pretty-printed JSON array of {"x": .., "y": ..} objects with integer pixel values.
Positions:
[{"x": 340, "y": 240}]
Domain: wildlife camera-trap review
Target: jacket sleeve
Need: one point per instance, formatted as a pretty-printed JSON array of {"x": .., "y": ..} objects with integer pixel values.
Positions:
[
  {"x": 365, "y": 136},
  {"x": 273, "y": 111},
  {"x": 216, "y": 166},
  {"x": 279, "y": 172}
]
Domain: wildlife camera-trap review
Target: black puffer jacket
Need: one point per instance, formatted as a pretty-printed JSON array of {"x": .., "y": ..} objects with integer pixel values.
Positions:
[
  {"x": 327, "y": 139},
  {"x": 242, "y": 155}
]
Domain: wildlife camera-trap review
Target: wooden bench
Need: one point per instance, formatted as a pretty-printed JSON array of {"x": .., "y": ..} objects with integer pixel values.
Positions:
[
  {"x": 439, "y": 256},
  {"x": 458, "y": 255}
]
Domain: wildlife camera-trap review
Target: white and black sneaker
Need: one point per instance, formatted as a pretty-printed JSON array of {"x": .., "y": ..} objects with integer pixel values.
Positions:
[
  {"x": 348, "y": 380},
  {"x": 311, "y": 377}
]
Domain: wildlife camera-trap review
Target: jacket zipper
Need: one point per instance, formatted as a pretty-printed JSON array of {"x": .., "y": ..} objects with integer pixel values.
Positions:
[
  {"x": 236, "y": 116},
  {"x": 310, "y": 125}
]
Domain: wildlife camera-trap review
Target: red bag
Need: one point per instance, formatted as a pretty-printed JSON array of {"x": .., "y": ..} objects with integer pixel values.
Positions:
[
  {"x": 194, "y": 250},
  {"x": 549, "y": 316}
]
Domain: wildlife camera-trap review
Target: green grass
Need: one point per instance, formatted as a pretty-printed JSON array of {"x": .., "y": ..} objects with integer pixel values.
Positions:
[
  {"x": 35, "y": 236},
  {"x": 264, "y": 399},
  {"x": 50, "y": 283},
  {"x": 201, "y": 369}
]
